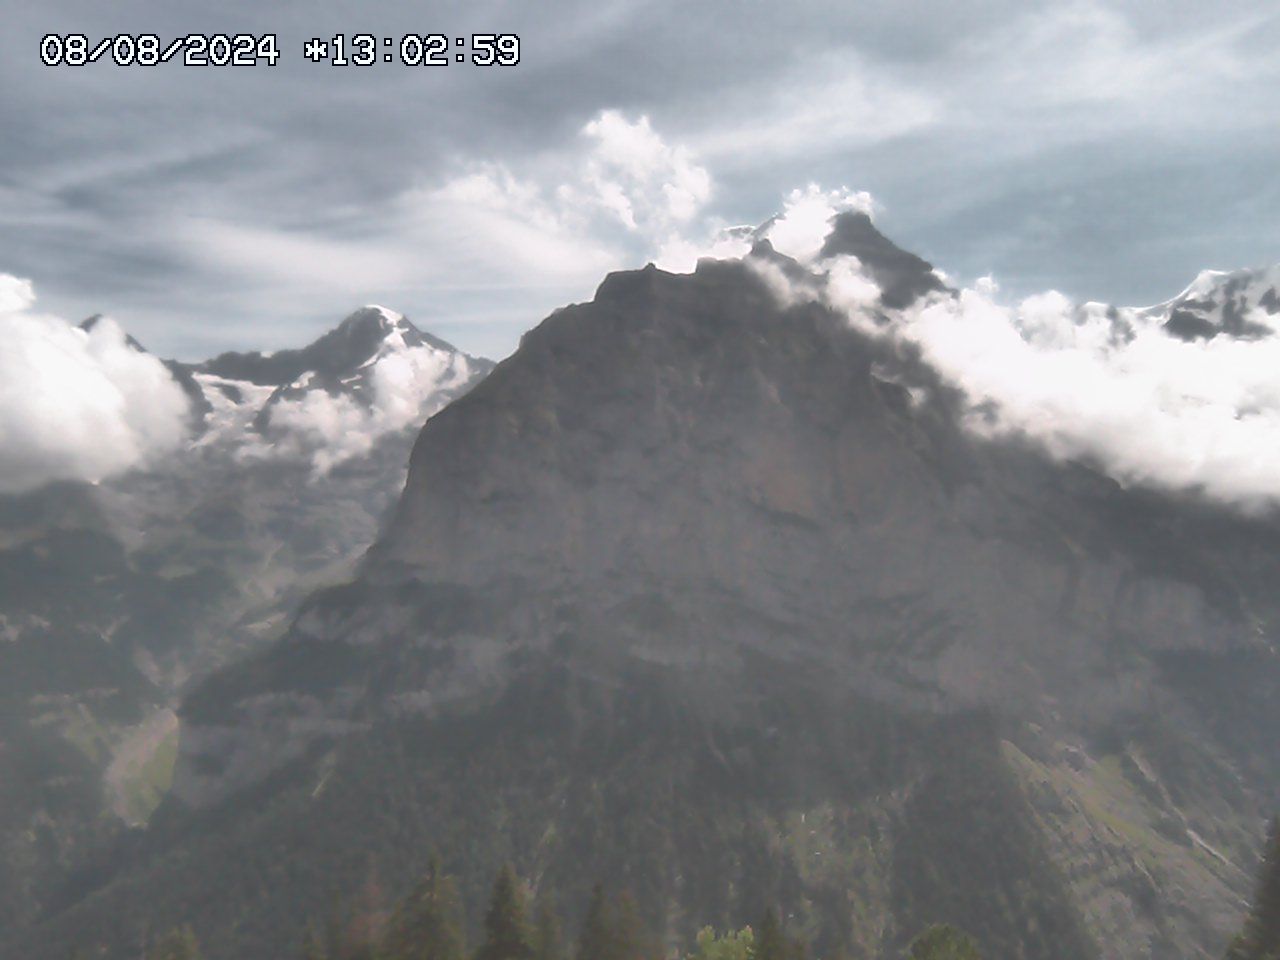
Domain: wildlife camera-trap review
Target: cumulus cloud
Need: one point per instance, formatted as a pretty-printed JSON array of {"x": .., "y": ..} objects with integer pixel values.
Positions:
[
  {"x": 406, "y": 387},
  {"x": 1110, "y": 385},
  {"x": 797, "y": 231},
  {"x": 621, "y": 192},
  {"x": 638, "y": 177},
  {"x": 806, "y": 218},
  {"x": 494, "y": 242},
  {"x": 76, "y": 404},
  {"x": 1090, "y": 381},
  {"x": 1150, "y": 408},
  {"x": 16, "y": 294},
  {"x": 680, "y": 253}
]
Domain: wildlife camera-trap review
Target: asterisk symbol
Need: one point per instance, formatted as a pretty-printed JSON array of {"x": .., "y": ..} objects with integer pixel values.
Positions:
[{"x": 315, "y": 50}]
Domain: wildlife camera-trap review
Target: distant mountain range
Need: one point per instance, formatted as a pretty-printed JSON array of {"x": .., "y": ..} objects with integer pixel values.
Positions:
[
  {"x": 706, "y": 592},
  {"x": 113, "y": 595}
]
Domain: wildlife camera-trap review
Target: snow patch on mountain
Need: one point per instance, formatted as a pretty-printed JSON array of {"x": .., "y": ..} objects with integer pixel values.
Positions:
[
  {"x": 1241, "y": 303},
  {"x": 405, "y": 385},
  {"x": 234, "y": 404},
  {"x": 89, "y": 402},
  {"x": 376, "y": 373}
]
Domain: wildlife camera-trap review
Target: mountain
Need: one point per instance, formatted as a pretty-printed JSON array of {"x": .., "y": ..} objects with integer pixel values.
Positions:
[
  {"x": 711, "y": 594},
  {"x": 1236, "y": 304},
  {"x": 114, "y": 595}
]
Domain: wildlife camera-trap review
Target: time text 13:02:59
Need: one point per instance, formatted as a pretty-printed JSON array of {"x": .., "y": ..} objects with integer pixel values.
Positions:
[{"x": 433, "y": 49}]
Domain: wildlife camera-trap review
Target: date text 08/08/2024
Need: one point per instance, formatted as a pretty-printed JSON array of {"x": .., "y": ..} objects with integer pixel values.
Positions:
[{"x": 247, "y": 50}]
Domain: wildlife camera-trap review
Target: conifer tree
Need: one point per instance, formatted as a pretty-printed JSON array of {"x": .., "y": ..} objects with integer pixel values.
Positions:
[
  {"x": 506, "y": 925},
  {"x": 361, "y": 938},
  {"x": 730, "y": 946},
  {"x": 629, "y": 939},
  {"x": 595, "y": 941},
  {"x": 178, "y": 944},
  {"x": 770, "y": 942},
  {"x": 613, "y": 929},
  {"x": 428, "y": 923},
  {"x": 313, "y": 945},
  {"x": 548, "y": 943},
  {"x": 943, "y": 942},
  {"x": 1261, "y": 939}
]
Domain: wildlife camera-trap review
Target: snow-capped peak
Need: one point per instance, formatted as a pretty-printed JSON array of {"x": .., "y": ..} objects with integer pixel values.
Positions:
[
  {"x": 373, "y": 374},
  {"x": 1240, "y": 303},
  {"x": 388, "y": 314}
]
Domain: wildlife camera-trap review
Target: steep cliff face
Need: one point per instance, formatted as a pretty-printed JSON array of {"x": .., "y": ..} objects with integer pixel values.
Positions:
[{"x": 708, "y": 592}]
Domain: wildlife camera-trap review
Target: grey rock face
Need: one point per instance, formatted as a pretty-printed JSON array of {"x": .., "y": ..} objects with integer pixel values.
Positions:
[
  {"x": 902, "y": 276},
  {"x": 747, "y": 502}
]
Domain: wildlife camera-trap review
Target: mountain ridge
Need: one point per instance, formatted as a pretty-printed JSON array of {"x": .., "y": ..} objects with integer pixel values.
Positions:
[
  {"x": 115, "y": 594},
  {"x": 698, "y": 565}
]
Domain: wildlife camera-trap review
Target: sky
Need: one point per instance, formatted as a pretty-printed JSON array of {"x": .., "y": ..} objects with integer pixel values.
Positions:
[{"x": 1106, "y": 150}]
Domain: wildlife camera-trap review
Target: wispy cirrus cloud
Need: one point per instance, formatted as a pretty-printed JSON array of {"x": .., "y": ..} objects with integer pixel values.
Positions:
[{"x": 1105, "y": 147}]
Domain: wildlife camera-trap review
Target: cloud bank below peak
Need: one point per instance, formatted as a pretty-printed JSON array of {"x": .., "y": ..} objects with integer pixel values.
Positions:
[
  {"x": 1116, "y": 388},
  {"x": 1122, "y": 388}
]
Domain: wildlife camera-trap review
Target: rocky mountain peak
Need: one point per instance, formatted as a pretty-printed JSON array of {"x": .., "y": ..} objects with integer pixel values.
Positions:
[
  {"x": 342, "y": 350},
  {"x": 901, "y": 276},
  {"x": 1242, "y": 304},
  {"x": 89, "y": 323}
]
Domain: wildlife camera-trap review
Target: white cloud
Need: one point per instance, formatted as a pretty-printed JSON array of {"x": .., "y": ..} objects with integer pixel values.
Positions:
[
  {"x": 635, "y": 175},
  {"x": 797, "y": 231},
  {"x": 619, "y": 193},
  {"x": 1152, "y": 409},
  {"x": 408, "y": 385},
  {"x": 545, "y": 230},
  {"x": 283, "y": 257},
  {"x": 824, "y": 103},
  {"x": 77, "y": 405},
  {"x": 680, "y": 254},
  {"x": 1149, "y": 408},
  {"x": 1086, "y": 53},
  {"x": 848, "y": 288},
  {"x": 806, "y": 218},
  {"x": 511, "y": 228},
  {"x": 16, "y": 294}
]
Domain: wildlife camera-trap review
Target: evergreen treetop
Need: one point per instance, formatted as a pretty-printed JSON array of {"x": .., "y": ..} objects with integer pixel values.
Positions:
[
  {"x": 178, "y": 944},
  {"x": 427, "y": 925},
  {"x": 506, "y": 925},
  {"x": 1261, "y": 937},
  {"x": 943, "y": 942},
  {"x": 548, "y": 942}
]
